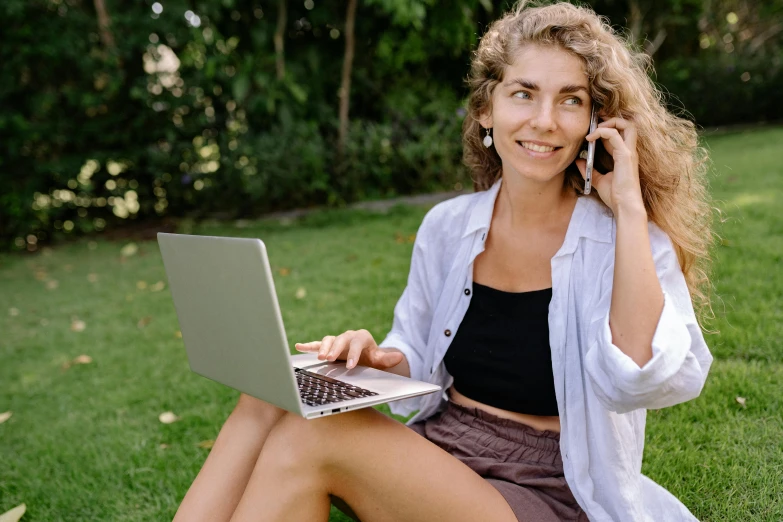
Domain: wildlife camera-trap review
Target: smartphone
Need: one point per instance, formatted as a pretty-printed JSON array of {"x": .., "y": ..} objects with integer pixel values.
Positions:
[{"x": 591, "y": 151}]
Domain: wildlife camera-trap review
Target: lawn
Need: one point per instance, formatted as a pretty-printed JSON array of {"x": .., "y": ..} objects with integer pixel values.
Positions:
[{"x": 85, "y": 442}]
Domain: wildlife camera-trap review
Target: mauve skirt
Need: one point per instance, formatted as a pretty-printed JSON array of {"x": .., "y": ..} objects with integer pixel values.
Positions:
[{"x": 521, "y": 462}]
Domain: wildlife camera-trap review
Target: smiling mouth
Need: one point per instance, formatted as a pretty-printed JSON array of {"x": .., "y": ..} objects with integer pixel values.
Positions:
[{"x": 537, "y": 148}]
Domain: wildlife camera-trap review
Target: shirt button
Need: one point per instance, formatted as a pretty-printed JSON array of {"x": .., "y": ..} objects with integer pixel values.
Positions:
[
  {"x": 467, "y": 291},
  {"x": 447, "y": 333}
]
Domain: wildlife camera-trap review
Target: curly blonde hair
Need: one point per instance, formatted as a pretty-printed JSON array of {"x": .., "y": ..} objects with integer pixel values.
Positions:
[{"x": 672, "y": 165}]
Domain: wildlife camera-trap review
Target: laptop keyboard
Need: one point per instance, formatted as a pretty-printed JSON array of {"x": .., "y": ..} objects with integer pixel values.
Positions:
[{"x": 317, "y": 390}]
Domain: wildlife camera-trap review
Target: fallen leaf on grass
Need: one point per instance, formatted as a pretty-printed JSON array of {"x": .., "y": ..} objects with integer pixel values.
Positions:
[
  {"x": 206, "y": 444},
  {"x": 41, "y": 275},
  {"x": 178, "y": 334},
  {"x": 129, "y": 250},
  {"x": 167, "y": 417},
  {"x": 52, "y": 284},
  {"x": 14, "y": 515},
  {"x": 301, "y": 293},
  {"x": 77, "y": 325},
  {"x": 81, "y": 359},
  {"x": 740, "y": 401},
  {"x": 163, "y": 446},
  {"x": 284, "y": 272},
  {"x": 141, "y": 285},
  {"x": 157, "y": 287},
  {"x": 13, "y": 312},
  {"x": 92, "y": 278},
  {"x": 44, "y": 321},
  {"x": 144, "y": 321},
  {"x": 5, "y": 416}
]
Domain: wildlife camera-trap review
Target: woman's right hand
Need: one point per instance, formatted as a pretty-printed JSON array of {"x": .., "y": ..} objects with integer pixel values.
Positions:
[{"x": 356, "y": 348}]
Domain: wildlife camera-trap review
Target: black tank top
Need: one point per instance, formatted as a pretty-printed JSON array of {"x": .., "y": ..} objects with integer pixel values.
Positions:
[{"x": 500, "y": 355}]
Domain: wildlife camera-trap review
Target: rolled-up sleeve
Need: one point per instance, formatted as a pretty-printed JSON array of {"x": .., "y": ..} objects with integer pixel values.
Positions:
[
  {"x": 413, "y": 316},
  {"x": 681, "y": 360}
]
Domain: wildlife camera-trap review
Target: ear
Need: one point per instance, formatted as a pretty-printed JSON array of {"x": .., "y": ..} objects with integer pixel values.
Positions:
[{"x": 486, "y": 120}]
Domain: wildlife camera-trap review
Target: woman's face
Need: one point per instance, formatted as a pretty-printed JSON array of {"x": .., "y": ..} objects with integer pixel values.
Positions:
[{"x": 540, "y": 113}]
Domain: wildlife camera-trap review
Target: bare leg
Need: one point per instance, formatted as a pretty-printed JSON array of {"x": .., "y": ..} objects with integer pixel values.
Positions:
[
  {"x": 214, "y": 494},
  {"x": 382, "y": 469}
]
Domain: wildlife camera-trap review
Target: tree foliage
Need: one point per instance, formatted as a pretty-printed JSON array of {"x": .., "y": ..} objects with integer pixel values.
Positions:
[{"x": 116, "y": 110}]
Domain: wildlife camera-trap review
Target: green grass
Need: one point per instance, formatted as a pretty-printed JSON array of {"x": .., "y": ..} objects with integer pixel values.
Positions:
[{"x": 85, "y": 443}]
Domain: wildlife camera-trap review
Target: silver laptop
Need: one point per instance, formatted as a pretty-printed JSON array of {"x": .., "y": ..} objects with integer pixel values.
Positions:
[{"x": 230, "y": 320}]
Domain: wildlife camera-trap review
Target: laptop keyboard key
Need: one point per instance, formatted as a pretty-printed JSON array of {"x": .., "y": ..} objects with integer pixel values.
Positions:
[{"x": 317, "y": 390}]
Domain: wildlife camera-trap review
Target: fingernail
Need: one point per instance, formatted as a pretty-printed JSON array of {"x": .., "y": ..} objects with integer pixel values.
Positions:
[{"x": 350, "y": 363}]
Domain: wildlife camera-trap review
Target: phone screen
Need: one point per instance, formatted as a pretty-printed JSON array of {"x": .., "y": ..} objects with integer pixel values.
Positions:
[{"x": 590, "y": 151}]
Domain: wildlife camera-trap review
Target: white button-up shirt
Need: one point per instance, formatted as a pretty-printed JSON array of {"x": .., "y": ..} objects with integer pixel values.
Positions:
[{"x": 602, "y": 395}]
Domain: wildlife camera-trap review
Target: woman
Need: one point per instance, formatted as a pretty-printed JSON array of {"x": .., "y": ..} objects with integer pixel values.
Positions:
[{"x": 552, "y": 320}]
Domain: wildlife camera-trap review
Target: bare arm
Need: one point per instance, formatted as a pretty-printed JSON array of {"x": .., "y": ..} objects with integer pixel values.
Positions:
[{"x": 637, "y": 298}]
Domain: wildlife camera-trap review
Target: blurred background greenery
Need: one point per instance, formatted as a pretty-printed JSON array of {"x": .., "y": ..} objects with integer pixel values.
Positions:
[{"x": 119, "y": 111}]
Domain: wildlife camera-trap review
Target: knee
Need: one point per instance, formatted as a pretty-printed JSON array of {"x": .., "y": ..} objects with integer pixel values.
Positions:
[
  {"x": 252, "y": 409},
  {"x": 289, "y": 446}
]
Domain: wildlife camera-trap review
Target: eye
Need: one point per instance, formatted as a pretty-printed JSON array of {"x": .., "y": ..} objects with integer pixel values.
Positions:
[
  {"x": 525, "y": 95},
  {"x": 574, "y": 101}
]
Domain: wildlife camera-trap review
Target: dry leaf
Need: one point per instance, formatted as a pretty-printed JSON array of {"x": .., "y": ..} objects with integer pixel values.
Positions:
[
  {"x": 144, "y": 321},
  {"x": 5, "y": 416},
  {"x": 157, "y": 287},
  {"x": 412, "y": 238},
  {"x": 14, "y": 515},
  {"x": 167, "y": 417},
  {"x": 301, "y": 293},
  {"x": 178, "y": 334},
  {"x": 129, "y": 250},
  {"x": 141, "y": 285},
  {"x": 13, "y": 312},
  {"x": 163, "y": 446},
  {"x": 129, "y": 298},
  {"x": 284, "y": 271},
  {"x": 740, "y": 401},
  {"x": 52, "y": 284},
  {"x": 82, "y": 359},
  {"x": 77, "y": 325},
  {"x": 206, "y": 444},
  {"x": 92, "y": 278},
  {"x": 41, "y": 275},
  {"x": 398, "y": 238},
  {"x": 44, "y": 321}
]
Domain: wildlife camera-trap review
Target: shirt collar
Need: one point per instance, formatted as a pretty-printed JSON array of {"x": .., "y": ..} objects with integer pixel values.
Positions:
[{"x": 591, "y": 219}]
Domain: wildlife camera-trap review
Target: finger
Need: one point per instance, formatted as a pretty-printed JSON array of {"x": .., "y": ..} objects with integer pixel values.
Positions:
[
  {"x": 355, "y": 348},
  {"x": 313, "y": 346},
  {"x": 391, "y": 359},
  {"x": 383, "y": 359},
  {"x": 611, "y": 138},
  {"x": 326, "y": 345},
  {"x": 627, "y": 128},
  {"x": 339, "y": 346}
]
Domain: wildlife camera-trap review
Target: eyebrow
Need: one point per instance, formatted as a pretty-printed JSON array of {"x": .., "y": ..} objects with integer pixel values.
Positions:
[{"x": 527, "y": 84}]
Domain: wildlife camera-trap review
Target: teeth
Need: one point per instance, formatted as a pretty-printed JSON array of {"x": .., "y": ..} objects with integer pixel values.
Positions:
[{"x": 536, "y": 148}]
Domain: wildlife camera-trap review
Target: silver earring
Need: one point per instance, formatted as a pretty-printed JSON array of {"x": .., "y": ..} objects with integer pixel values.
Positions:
[{"x": 487, "y": 140}]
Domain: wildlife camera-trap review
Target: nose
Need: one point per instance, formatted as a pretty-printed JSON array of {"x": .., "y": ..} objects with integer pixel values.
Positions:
[{"x": 543, "y": 118}]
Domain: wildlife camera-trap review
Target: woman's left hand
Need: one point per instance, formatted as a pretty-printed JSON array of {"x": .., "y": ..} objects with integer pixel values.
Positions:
[{"x": 620, "y": 187}]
